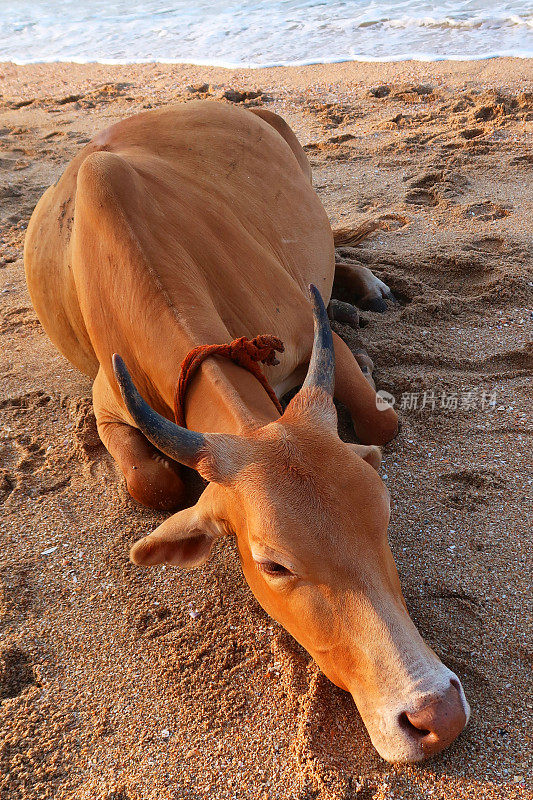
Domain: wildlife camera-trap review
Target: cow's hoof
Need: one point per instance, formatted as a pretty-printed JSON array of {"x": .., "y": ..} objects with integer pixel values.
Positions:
[
  {"x": 377, "y": 296},
  {"x": 345, "y": 313},
  {"x": 378, "y": 302},
  {"x": 366, "y": 364}
]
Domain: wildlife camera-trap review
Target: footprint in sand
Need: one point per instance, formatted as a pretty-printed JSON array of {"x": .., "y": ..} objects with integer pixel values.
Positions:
[
  {"x": 523, "y": 160},
  {"x": 11, "y": 191},
  {"x": 333, "y": 148},
  {"x": 464, "y": 104},
  {"x": 486, "y": 113},
  {"x": 471, "y": 488},
  {"x": 487, "y": 244},
  {"x": 380, "y": 91},
  {"x": 451, "y": 184},
  {"x": 331, "y": 115},
  {"x": 486, "y": 210},
  {"x": 156, "y": 622},
  {"x": 422, "y": 197},
  {"x": 199, "y": 89},
  {"x": 471, "y": 133},
  {"x": 8, "y": 162},
  {"x": 32, "y": 455},
  {"x": 102, "y": 94},
  {"x": 392, "y": 222},
  {"x": 492, "y": 105},
  {"x": 16, "y": 672},
  {"x": 454, "y": 184},
  {"x": 406, "y": 93},
  {"x": 28, "y": 400},
  {"x": 9, "y": 256},
  {"x": 427, "y": 180},
  {"x": 420, "y": 93},
  {"x": 80, "y": 411},
  {"x": 52, "y": 135},
  {"x": 7, "y": 485},
  {"x": 33, "y": 465},
  {"x": 19, "y": 103},
  {"x": 18, "y": 592},
  {"x": 247, "y": 97},
  {"x": 17, "y": 318}
]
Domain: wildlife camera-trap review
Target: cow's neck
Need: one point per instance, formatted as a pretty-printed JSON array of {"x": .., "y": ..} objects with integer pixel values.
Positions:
[{"x": 225, "y": 398}]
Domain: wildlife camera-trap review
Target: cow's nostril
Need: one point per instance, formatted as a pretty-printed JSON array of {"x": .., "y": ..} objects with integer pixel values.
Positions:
[
  {"x": 437, "y": 723},
  {"x": 406, "y": 724}
]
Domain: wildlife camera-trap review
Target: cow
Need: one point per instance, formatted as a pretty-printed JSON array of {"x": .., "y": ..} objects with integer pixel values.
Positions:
[{"x": 191, "y": 225}]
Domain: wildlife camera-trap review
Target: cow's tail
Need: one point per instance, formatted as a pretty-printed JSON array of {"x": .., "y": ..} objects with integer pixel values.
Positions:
[{"x": 349, "y": 237}]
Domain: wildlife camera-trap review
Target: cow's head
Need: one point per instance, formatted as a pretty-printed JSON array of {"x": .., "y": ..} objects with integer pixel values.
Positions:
[{"x": 310, "y": 514}]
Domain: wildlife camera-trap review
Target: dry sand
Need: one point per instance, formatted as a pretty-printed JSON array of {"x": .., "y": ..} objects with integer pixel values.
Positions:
[{"x": 123, "y": 684}]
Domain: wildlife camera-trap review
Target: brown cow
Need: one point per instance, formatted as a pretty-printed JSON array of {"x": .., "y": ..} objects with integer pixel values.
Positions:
[{"x": 195, "y": 224}]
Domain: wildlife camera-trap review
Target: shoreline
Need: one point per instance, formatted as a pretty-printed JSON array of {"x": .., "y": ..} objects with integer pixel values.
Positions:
[{"x": 395, "y": 59}]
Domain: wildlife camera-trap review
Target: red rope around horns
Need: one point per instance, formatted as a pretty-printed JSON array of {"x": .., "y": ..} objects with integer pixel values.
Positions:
[{"x": 246, "y": 353}]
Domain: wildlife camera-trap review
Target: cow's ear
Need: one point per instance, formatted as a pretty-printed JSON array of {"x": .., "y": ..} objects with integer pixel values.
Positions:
[
  {"x": 183, "y": 540},
  {"x": 369, "y": 453}
]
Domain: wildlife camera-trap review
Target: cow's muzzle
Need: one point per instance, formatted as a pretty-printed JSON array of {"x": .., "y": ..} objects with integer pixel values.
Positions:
[{"x": 426, "y": 724}]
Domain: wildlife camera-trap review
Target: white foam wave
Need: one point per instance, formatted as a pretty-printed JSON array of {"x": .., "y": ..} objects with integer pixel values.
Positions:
[
  {"x": 262, "y": 33},
  {"x": 422, "y": 57}
]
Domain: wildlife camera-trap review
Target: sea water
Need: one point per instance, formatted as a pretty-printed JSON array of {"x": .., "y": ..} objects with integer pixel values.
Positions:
[{"x": 262, "y": 33}]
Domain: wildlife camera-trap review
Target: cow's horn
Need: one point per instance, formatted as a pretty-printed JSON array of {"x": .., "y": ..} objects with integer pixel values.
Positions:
[
  {"x": 178, "y": 443},
  {"x": 321, "y": 370}
]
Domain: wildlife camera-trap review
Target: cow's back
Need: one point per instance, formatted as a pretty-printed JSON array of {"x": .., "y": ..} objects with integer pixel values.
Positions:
[{"x": 220, "y": 209}]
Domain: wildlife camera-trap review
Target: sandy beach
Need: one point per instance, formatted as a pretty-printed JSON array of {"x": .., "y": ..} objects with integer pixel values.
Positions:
[{"x": 118, "y": 683}]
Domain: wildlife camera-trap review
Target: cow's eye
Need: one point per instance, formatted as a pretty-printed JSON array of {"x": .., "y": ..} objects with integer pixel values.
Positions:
[{"x": 274, "y": 569}]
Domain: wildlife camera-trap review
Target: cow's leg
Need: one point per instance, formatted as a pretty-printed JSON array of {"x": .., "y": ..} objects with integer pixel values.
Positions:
[
  {"x": 349, "y": 315},
  {"x": 368, "y": 291},
  {"x": 372, "y": 425},
  {"x": 151, "y": 478}
]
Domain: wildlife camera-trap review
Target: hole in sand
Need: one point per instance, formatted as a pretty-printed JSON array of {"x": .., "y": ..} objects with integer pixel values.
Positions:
[{"x": 15, "y": 672}]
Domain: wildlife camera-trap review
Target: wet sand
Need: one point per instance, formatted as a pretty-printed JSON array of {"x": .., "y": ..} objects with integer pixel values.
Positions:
[{"x": 118, "y": 683}]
